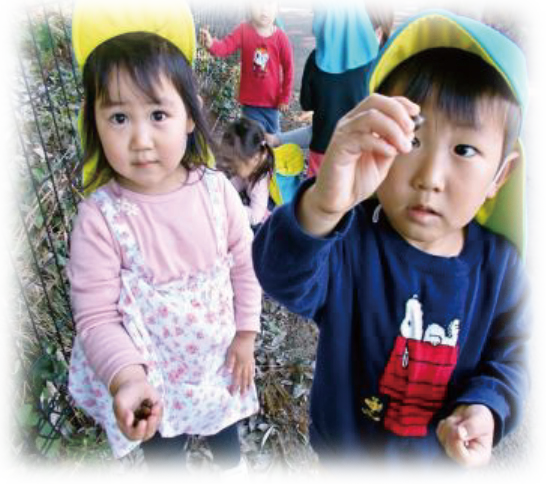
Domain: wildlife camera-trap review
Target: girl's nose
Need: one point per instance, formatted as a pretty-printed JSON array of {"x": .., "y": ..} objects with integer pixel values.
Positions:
[{"x": 141, "y": 138}]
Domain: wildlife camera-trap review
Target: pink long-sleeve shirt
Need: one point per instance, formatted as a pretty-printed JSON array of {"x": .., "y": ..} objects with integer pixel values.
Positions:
[
  {"x": 175, "y": 235},
  {"x": 267, "y": 65},
  {"x": 258, "y": 196}
]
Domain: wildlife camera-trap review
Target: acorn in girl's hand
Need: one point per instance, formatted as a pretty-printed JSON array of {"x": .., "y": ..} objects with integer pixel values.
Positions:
[{"x": 143, "y": 411}]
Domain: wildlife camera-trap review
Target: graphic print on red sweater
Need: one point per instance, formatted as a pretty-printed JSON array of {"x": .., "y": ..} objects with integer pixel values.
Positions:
[
  {"x": 260, "y": 60},
  {"x": 418, "y": 372}
]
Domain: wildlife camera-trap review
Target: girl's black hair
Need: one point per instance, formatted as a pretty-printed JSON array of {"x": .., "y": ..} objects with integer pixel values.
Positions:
[
  {"x": 381, "y": 14},
  {"x": 145, "y": 57},
  {"x": 456, "y": 81},
  {"x": 242, "y": 140}
]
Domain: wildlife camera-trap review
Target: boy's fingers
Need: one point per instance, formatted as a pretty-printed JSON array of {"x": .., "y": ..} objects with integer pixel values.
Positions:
[
  {"x": 399, "y": 109},
  {"x": 379, "y": 124}
]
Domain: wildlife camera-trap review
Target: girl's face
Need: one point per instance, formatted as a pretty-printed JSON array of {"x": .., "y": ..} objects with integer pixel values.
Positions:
[
  {"x": 144, "y": 140},
  {"x": 245, "y": 168},
  {"x": 263, "y": 13}
]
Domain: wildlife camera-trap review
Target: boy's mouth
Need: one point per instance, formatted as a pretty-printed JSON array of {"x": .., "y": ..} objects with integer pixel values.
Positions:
[{"x": 421, "y": 212}]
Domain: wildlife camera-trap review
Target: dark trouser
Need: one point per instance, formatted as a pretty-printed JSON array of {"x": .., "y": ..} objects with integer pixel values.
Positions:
[{"x": 224, "y": 445}]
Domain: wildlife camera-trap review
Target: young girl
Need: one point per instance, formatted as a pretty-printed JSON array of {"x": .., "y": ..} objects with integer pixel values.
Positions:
[
  {"x": 165, "y": 299},
  {"x": 334, "y": 76},
  {"x": 267, "y": 65},
  {"x": 249, "y": 162}
]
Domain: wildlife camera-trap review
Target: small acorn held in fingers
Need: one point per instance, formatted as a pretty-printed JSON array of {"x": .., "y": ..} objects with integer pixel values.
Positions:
[
  {"x": 418, "y": 120},
  {"x": 143, "y": 411}
]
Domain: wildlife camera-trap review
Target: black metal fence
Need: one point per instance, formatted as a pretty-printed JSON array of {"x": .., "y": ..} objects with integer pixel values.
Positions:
[
  {"x": 42, "y": 439},
  {"x": 39, "y": 148}
]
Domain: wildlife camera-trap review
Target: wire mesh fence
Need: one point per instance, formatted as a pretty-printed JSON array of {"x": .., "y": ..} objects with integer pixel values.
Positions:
[
  {"x": 39, "y": 149},
  {"x": 46, "y": 183}
]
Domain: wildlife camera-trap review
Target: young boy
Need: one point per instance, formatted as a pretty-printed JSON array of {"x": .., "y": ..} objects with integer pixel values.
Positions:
[
  {"x": 422, "y": 312},
  {"x": 267, "y": 64}
]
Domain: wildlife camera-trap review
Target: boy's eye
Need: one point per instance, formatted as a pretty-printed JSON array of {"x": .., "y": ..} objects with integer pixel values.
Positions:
[
  {"x": 118, "y": 118},
  {"x": 465, "y": 151},
  {"x": 415, "y": 143},
  {"x": 159, "y": 115}
]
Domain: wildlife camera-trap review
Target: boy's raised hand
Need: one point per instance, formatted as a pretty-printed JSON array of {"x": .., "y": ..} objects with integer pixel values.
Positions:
[
  {"x": 467, "y": 435},
  {"x": 364, "y": 145},
  {"x": 205, "y": 38}
]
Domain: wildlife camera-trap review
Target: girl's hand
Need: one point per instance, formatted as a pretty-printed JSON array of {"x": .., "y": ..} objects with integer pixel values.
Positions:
[
  {"x": 364, "y": 145},
  {"x": 467, "y": 435},
  {"x": 130, "y": 389},
  {"x": 283, "y": 108},
  {"x": 205, "y": 38},
  {"x": 240, "y": 361}
]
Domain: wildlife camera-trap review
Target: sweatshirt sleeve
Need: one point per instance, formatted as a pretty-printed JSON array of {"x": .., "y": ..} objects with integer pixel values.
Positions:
[
  {"x": 502, "y": 380},
  {"x": 95, "y": 284},
  {"x": 306, "y": 94},
  {"x": 291, "y": 265},
  {"x": 287, "y": 63},
  {"x": 247, "y": 291},
  {"x": 259, "y": 196},
  {"x": 229, "y": 44}
]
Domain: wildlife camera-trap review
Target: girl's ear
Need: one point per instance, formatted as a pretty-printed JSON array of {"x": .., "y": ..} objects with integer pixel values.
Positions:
[
  {"x": 190, "y": 125},
  {"x": 506, "y": 167}
]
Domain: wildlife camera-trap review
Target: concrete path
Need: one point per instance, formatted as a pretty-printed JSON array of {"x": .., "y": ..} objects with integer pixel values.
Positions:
[{"x": 520, "y": 458}]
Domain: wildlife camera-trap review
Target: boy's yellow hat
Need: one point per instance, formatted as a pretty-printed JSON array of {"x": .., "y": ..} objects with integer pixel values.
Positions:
[
  {"x": 95, "y": 21},
  {"x": 506, "y": 213}
]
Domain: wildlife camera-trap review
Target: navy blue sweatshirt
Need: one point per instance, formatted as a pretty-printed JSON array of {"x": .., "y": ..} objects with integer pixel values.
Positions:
[
  {"x": 330, "y": 97},
  {"x": 381, "y": 383}
]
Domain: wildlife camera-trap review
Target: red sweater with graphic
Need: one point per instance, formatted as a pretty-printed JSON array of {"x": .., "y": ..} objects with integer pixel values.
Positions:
[{"x": 267, "y": 65}]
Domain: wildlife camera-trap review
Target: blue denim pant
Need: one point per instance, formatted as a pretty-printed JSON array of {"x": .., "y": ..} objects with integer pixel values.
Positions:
[{"x": 269, "y": 118}]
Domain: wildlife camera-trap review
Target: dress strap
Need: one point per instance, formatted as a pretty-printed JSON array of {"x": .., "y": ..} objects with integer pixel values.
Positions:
[
  {"x": 218, "y": 210},
  {"x": 111, "y": 208}
]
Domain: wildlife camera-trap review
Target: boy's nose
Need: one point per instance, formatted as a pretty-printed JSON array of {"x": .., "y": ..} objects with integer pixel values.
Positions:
[{"x": 430, "y": 175}]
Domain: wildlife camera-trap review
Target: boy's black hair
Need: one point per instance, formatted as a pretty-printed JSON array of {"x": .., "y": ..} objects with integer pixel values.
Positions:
[
  {"x": 144, "y": 56},
  {"x": 242, "y": 140},
  {"x": 456, "y": 81}
]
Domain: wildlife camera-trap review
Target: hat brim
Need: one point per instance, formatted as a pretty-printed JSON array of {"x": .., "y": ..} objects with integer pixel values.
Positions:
[
  {"x": 506, "y": 213},
  {"x": 94, "y": 22}
]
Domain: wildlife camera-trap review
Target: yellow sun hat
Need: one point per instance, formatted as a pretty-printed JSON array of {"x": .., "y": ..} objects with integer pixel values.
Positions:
[{"x": 96, "y": 21}]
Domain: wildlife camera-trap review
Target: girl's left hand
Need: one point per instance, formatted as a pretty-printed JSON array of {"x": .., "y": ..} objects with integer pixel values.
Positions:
[
  {"x": 467, "y": 435},
  {"x": 240, "y": 361}
]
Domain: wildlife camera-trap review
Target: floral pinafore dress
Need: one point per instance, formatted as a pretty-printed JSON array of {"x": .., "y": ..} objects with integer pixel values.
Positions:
[{"x": 182, "y": 328}]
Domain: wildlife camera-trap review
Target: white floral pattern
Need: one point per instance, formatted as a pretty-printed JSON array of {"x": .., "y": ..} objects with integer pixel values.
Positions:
[{"x": 182, "y": 328}]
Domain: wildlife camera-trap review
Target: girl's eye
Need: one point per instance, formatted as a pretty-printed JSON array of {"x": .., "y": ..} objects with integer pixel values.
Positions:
[
  {"x": 159, "y": 115},
  {"x": 466, "y": 151},
  {"x": 415, "y": 143},
  {"x": 118, "y": 118}
]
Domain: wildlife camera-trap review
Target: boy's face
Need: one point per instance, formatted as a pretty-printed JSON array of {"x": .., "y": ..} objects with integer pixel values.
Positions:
[
  {"x": 433, "y": 192},
  {"x": 263, "y": 12}
]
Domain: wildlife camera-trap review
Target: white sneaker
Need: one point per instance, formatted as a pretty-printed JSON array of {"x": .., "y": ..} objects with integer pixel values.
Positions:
[{"x": 236, "y": 475}]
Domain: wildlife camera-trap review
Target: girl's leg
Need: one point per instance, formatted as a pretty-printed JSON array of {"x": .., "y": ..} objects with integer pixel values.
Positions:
[
  {"x": 300, "y": 136},
  {"x": 161, "y": 450},
  {"x": 225, "y": 447}
]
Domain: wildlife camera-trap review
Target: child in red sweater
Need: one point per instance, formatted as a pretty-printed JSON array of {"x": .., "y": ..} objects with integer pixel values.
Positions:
[{"x": 267, "y": 64}]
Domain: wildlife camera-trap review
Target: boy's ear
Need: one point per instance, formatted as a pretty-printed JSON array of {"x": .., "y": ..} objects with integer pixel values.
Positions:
[{"x": 505, "y": 170}]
